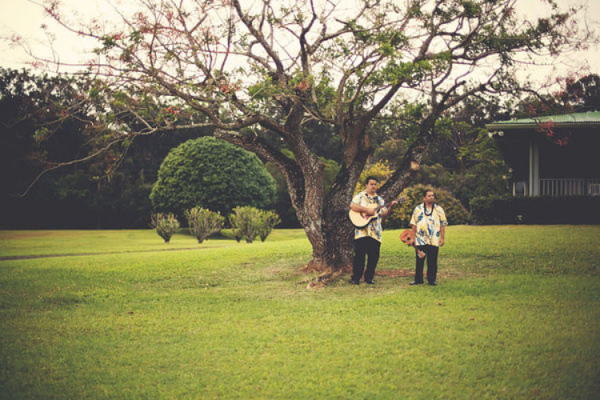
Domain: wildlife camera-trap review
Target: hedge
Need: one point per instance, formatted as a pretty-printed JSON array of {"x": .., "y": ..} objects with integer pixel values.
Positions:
[{"x": 494, "y": 210}]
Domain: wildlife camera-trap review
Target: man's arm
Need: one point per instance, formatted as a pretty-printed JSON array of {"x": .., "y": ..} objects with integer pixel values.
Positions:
[
  {"x": 414, "y": 234},
  {"x": 443, "y": 223},
  {"x": 388, "y": 210},
  {"x": 362, "y": 209}
]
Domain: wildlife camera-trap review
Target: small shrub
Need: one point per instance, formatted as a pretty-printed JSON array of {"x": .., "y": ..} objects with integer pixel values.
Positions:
[
  {"x": 203, "y": 222},
  {"x": 165, "y": 224},
  {"x": 246, "y": 223},
  {"x": 267, "y": 221},
  {"x": 456, "y": 213}
]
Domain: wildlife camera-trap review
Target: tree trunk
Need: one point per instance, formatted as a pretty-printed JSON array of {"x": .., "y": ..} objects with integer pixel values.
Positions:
[
  {"x": 333, "y": 242},
  {"x": 327, "y": 226}
]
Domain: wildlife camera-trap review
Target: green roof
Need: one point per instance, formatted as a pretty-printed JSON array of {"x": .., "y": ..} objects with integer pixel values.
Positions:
[{"x": 573, "y": 120}]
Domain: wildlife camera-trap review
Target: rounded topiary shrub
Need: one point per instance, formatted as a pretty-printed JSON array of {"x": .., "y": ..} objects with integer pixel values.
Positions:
[
  {"x": 213, "y": 174},
  {"x": 456, "y": 213}
]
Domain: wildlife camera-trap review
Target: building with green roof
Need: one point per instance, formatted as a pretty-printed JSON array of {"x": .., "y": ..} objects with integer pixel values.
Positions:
[{"x": 554, "y": 155}]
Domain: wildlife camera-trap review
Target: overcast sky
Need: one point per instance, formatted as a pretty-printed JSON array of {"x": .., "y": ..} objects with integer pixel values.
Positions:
[{"x": 25, "y": 18}]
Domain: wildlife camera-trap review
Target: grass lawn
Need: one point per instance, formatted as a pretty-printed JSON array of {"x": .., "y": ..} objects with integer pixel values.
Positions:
[{"x": 516, "y": 315}]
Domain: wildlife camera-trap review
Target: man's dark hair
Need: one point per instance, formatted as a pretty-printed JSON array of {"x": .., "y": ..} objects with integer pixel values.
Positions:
[
  {"x": 369, "y": 178},
  {"x": 427, "y": 191}
]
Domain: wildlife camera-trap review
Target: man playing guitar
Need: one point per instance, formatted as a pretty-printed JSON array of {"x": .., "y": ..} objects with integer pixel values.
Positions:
[{"x": 367, "y": 240}]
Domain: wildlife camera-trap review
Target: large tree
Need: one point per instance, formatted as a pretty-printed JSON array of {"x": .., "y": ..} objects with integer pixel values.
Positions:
[{"x": 268, "y": 68}]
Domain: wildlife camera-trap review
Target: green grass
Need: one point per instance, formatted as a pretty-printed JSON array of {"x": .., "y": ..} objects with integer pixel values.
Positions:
[
  {"x": 70, "y": 242},
  {"x": 515, "y": 316}
]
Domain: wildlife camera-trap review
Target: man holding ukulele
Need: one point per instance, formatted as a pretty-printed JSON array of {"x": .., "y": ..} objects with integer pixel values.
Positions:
[{"x": 428, "y": 229}]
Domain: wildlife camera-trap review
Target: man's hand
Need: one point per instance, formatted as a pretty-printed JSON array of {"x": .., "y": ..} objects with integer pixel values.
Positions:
[
  {"x": 441, "y": 241},
  {"x": 388, "y": 208}
]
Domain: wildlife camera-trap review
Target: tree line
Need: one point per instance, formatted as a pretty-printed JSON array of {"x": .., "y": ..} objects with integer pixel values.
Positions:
[{"x": 463, "y": 159}]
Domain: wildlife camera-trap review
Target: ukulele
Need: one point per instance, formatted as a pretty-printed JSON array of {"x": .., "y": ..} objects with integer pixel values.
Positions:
[
  {"x": 408, "y": 237},
  {"x": 361, "y": 219}
]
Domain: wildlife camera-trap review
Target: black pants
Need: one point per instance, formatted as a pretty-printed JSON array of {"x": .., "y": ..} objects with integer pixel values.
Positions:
[
  {"x": 365, "y": 247},
  {"x": 431, "y": 253}
]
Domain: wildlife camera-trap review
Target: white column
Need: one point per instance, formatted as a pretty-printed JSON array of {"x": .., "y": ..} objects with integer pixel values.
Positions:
[{"x": 534, "y": 169}]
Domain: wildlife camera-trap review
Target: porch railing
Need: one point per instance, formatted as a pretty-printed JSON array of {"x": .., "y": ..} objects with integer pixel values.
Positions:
[{"x": 570, "y": 187}]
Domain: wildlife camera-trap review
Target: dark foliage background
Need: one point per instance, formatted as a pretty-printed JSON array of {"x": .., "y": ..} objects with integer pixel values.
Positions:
[{"x": 464, "y": 162}]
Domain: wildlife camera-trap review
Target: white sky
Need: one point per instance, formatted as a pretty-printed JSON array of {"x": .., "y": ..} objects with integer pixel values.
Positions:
[{"x": 24, "y": 18}]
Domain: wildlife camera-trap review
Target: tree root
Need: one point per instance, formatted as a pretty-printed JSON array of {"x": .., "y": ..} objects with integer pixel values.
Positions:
[
  {"x": 323, "y": 267},
  {"x": 323, "y": 279},
  {"x": 327, "y": 273}
]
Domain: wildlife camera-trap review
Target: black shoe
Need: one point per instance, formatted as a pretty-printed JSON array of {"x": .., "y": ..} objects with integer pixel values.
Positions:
[
  {"x": 370, "y": 282},
  {"x": 353, "y": 282},
  {"x": 432, "y": 284},
  {"x": 416, "y": 283}
]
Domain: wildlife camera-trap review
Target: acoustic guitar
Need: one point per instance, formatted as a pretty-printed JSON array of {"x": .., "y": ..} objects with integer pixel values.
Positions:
[{"x": 361, "y": 219}]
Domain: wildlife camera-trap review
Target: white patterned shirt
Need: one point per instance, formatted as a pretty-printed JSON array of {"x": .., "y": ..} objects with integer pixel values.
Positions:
[
  {"x": 428, "y": 225},
  {"x": 373, "y": 229}
]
